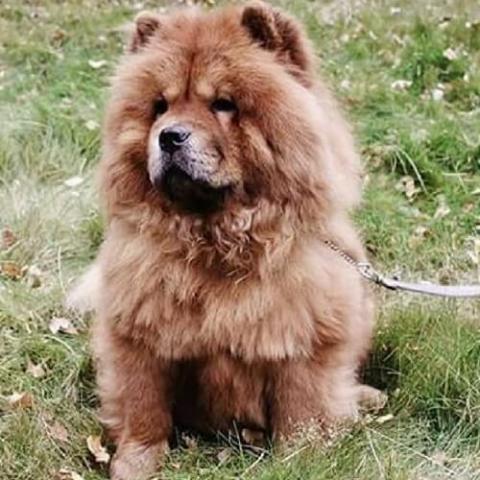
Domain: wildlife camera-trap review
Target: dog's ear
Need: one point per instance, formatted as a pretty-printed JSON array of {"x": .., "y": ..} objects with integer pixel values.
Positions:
[
  {"x": 274, "y": 30},
  {"x": 259, "y": 19},
  {"x": 146, "y": 25}
]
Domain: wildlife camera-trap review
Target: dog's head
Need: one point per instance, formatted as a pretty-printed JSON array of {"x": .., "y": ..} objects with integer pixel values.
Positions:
[{"x": 214, "y": 113}]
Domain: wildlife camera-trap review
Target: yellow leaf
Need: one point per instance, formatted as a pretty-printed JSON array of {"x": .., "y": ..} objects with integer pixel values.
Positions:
[
  {"x": 94, "y": 444},
  {"x": 20, "y": 400},
  {"x": 11, "y": 270}
]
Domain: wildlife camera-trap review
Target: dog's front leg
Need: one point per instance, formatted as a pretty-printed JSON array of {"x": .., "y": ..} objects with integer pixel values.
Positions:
[
  {"x": 145, "y": 401},
  {"x": 312, "y": 395}
]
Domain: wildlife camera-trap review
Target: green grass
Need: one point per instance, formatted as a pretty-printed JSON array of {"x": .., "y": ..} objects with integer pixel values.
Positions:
[{"x": 426, "y": 353}]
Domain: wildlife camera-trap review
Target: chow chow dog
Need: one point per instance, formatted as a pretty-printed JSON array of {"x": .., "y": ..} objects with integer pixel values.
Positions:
[{"x": 226, "y": 166}]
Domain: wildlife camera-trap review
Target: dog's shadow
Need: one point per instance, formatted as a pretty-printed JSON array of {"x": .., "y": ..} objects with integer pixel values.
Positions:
[{"x": 382, "y": 369}]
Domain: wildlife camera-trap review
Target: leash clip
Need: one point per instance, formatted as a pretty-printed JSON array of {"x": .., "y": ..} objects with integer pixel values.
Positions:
[{"x": 367, "y": 271}]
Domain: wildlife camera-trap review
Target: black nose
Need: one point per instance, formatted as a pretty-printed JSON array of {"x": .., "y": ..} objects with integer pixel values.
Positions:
[{"x": 172, "y": 138}]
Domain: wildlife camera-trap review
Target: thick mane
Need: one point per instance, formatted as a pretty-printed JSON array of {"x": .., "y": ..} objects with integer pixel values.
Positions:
[{"x": 295, "y": 150}]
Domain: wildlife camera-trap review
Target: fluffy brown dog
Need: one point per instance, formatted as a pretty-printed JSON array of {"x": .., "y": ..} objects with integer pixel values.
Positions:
[{"x": 225, "y": 167}]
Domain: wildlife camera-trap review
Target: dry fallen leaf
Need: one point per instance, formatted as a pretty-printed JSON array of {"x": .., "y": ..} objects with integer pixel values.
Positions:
[
  {"x": 96, "y": 64},
  {"x": 36, "y": 371},
  {"x": 57, "y": 431},
  {"x": 73, "y": 182},
  {"x": 419, "y": 234},
  {"x": 439, "y": 457},
  {"x": 67, "y": 474},
  {"x": 385, "y": 418},
  {"x": 94, "y": 444},
  {"x": 190, "y": 442},
  {"x": 20, "y": 400},
  {"x": 76, "y": 476},
  {"x": 11, "y": 270},
  {"x": 401, "y": 85},
  {"x": 442, "y": 211},
  {"x": 59, "y": 35},
  {"x": 438, "y": 93},
  {"x": 474, "y": 254},
  {"x": 91, "y": 125},
  {"x": 224, "y": 454},
  {"x": 407, "y": 185},
  {"x": 8, "y": 238},
  {"x": 62, "y": 324},
  {"x": 33, "y": 275},
  {"x": 451, "y": 54}
]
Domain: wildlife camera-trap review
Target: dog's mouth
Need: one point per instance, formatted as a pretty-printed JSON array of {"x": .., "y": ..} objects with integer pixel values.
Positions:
[{"x": 192, "y": 196}]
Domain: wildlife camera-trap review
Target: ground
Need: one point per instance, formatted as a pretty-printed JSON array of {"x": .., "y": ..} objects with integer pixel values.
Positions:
[{"x": 408, "y": 74}]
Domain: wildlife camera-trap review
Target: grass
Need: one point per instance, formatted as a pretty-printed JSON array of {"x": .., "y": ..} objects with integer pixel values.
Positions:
[{"x": 426, "y": 353}]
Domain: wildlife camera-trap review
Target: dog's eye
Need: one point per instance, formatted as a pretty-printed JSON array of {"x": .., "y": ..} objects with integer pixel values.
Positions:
[
  {"x": 224, "y": 105},
  {"x": 160, "y": 106}
]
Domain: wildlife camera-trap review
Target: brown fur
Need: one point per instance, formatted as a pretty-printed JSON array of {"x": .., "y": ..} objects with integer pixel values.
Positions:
[{"x": 242, "y": 315}]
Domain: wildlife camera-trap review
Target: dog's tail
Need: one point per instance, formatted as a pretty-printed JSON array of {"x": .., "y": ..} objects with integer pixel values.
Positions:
[{"x": 85, "y": 294}]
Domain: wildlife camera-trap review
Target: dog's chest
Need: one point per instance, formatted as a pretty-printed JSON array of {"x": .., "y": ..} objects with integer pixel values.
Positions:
[{"x": 184, "y": 317}]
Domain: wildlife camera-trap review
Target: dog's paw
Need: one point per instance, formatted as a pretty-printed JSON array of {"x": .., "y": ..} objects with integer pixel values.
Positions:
[
  {"x": 370, "y": 399},
  {"x": 255, "y": 438},
  {"x": 134, "y": 461}
]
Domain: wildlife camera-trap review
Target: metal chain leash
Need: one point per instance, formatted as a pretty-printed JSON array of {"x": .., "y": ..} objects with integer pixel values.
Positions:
[{"x": 366, "y": 270}]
